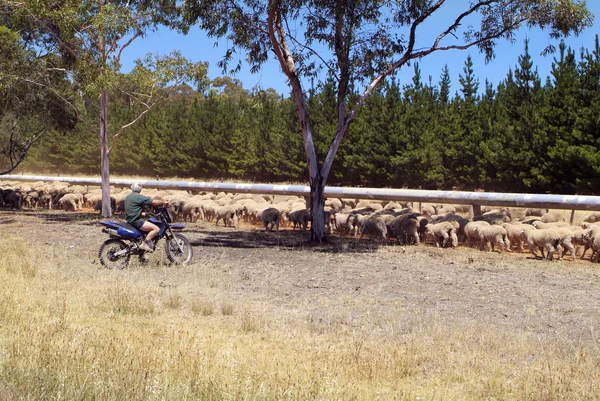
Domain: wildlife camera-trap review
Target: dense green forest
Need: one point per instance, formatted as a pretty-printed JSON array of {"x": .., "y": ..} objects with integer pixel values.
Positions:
[{"x": 527, "y": 134}]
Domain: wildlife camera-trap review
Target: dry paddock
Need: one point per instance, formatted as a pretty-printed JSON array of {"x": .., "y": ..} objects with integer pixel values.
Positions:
[
  {"x": 558, "y": 299},
  {"x": 266, "y": 315}
]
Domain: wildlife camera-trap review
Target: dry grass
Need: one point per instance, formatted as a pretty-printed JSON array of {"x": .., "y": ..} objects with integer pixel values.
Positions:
[{"x": 73, "y": 331}]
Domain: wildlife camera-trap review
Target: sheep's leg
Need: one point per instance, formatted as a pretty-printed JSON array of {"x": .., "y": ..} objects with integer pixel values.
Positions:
[
  {"x": 446, "y": 237},
  {"x": 551, "y": 250},
  {"x": 570, "y": 248},
  {"x": 585, "y": 248},
  {"x": 532, "y": 250}
]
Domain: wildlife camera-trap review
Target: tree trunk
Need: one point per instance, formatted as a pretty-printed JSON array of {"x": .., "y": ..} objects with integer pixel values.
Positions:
[
  {"x": 317, "y": 206},
  {"x": 104, "y": 164}
]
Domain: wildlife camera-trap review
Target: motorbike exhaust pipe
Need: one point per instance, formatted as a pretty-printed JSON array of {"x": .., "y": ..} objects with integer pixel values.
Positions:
[{"x": 110, "y": 231}]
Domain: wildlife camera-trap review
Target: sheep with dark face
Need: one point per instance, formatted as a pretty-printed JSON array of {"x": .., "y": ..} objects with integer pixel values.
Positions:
[{"x": 270, "y": 218}]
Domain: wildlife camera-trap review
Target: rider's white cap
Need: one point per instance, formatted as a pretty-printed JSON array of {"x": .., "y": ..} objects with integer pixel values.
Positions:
[{"x": 136, "y": 187}]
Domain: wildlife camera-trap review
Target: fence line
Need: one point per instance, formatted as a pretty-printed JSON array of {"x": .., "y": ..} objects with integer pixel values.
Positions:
[{"x": 476, "y": 199}]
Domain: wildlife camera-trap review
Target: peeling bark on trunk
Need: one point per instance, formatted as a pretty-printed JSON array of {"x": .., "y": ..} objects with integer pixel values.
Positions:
[
  {"x": 317, "y": 205},
  {"x": 104, "y": 152}
]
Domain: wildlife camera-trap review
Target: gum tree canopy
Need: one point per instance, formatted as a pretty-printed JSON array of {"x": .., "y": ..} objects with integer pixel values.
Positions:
[
  {"x": 361, "y": 42},
  {"x": 91, "y": 35}
]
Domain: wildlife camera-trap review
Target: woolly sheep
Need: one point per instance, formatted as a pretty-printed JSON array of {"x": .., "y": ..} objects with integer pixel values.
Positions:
[
  {"x": 494, "y": 218},
  {"x": 502, "y": 211},
  {"x": 530, "y": 219},
  {"x": 593, "y": 235},
  {"x": 69, "y": 202},
  {"x": 513, "y": 230},
  {"x": 334, "y": 203},
  {"x": 192, "y": 210},
  {"x": 445, "y": 209},
  {"x": 547, "y": 238},
  {"x": 471, "y": 235},
  {"x": 592, "y": 217},
  {"x": 552, "y": 217},
  {"x": 373, "y": 225},
  {"x": 227, "y": 213},
  {"x": 535, "y": 212},
  {"x": 392, "y": 205},
  {"x": 493, "y": 234},
  {"x": 580, "y": 238},
  {"x": 428, "y": 209},
  {"x": 405, "y": 229},
  {"x": 566, "y": 241},
  {"x": 442, "y": 233},
  {"x": 340, "y": 223},
  {"x": 540, "y": 224}
]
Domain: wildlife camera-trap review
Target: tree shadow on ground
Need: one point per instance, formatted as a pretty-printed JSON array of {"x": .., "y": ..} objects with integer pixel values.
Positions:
[
  {"x": 54, "y": 216},
  {"x": 284, "y": 240}
]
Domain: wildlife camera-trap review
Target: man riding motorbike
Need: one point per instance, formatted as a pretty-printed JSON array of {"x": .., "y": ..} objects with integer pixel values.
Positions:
[{"x": 134, "y": 203}]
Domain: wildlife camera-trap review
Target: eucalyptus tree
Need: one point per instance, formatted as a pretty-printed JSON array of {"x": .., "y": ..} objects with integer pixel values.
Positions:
[
  {"x": 92, "y": 35},
  {"x": 362, "y": 42},
  {"x": 35, "y": 96}
]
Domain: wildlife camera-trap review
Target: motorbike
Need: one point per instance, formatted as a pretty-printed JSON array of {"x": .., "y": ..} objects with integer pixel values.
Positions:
[{"x": 125, "y": 241}]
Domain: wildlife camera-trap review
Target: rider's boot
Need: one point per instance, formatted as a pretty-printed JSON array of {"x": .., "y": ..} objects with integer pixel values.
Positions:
[{"x": 147, "y": 246}]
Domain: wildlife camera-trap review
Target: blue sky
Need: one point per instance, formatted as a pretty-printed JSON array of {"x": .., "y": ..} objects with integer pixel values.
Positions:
[{"x": 197, "y": 47}]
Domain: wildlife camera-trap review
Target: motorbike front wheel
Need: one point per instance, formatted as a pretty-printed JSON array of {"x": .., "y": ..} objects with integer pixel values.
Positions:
[
  {"x": 179, "y": 249},
  {"x": 113, "y": 254}
]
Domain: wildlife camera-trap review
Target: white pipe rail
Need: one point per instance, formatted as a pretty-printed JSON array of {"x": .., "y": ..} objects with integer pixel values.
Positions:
[{"x": 570, "y": 202}]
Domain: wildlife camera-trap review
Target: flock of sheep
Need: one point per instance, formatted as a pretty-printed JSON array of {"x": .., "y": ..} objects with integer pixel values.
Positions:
[{"x": 441, "y": 225}]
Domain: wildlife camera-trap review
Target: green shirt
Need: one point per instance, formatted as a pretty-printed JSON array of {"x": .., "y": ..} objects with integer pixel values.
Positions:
[{"x": 134, "y": 203}]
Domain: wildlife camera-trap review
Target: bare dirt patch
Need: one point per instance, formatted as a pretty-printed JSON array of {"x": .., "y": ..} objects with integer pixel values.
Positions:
[{"x": 358, "y": 283}]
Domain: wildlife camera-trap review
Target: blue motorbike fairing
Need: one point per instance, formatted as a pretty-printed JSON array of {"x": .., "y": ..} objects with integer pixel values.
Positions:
[
  {"x": 177, "y": 226},
  {"x": 124, "y": 230},
  {"x": 162, "y": 227}
]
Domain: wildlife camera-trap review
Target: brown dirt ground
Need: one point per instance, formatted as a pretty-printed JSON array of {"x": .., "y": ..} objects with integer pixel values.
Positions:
[{"x": 362, "y": 281}]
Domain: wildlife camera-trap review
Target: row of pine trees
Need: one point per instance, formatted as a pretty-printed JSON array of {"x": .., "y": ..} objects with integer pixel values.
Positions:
[{"x": 527, "y": 134}]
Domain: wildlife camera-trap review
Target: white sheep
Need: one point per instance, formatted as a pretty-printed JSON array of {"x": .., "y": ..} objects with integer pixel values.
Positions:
[
  {"x": 552, "y": 217},
  {"x": 493, "y": 234},
  {"x": 227, "y": 213},
  {"x": 340, "y": 223},
  {"x": 535, "y": 212},
  {"x": 442, "y": 233},
  {"x": 592, "y": 217},
  {"x": 513, "y": 230},
  {"x": 540, "y": 224},
  {"x": 428, "y": 209},
  {"x": 547, "y": 238}
]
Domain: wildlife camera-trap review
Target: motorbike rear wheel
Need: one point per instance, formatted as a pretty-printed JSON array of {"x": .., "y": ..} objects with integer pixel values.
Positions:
[
  {"x": 107, "y": 254},
  {"x": 176, "y": 255}
]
